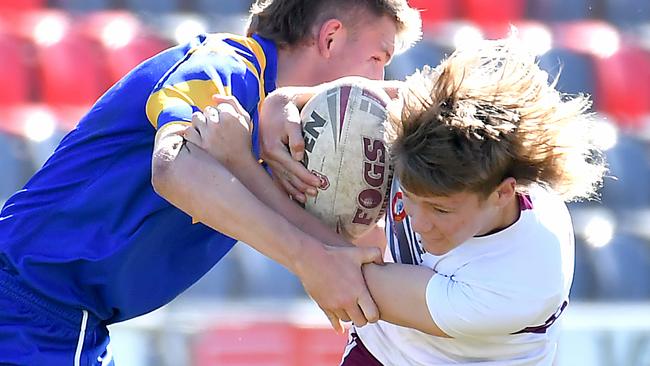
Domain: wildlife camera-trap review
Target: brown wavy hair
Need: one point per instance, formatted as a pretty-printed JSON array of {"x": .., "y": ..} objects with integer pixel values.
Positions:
[
  {"x": 293, "y": 22},
  {"x": 487, "y": 113}
]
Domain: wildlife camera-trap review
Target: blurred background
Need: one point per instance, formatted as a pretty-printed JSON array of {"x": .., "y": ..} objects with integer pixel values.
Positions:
[{"x": 58, "y": 56}]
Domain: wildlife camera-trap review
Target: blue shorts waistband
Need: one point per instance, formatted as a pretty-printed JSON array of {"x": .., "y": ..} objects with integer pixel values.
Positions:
[{"x": 12, "y": 286}]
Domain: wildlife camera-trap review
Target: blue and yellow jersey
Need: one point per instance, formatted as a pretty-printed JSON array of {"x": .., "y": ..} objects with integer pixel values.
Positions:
[{"x": 88, "y": 230}]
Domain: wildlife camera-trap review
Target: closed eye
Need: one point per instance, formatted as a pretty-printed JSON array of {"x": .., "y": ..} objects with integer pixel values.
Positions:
[{"x": 439, "y": 210}]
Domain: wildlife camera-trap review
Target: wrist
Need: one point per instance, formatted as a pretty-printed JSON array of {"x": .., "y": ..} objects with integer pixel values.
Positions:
[
  {"x": 238, "y": 162},
  {"x": 302, "y": 259}
]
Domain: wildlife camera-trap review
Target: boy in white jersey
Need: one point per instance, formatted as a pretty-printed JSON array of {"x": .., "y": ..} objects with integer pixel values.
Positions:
[{"x": 485, "y": 152}]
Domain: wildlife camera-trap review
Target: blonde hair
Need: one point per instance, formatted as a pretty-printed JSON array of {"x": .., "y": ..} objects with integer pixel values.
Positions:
[
  {"x": 488, "y": 113},
  {"x": 291, "y": 22}
]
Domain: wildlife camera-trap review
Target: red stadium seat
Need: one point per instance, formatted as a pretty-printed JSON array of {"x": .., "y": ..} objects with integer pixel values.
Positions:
[
  {"x": 15, "y": 76},
  {"x": 21, "y": 5},
  {"x": 68, "y": 116},
  {"x": 124, "y": 39},
  {"x": 23, "y": 119},
  {"x": 123, "y": 59},
  {"x": 486, "y": 12},
  {"x": 623, "y": 84},
  {"x": 39, "y": 128},
  {"x": 319, "y": 347},
  {"x": 68, "y": 66},
  {"x": 71, "y": 71},
  {"x": 588, "y": 36},
  {"x": 434, "y": 11},
  {"x": 270, "y": 343}
]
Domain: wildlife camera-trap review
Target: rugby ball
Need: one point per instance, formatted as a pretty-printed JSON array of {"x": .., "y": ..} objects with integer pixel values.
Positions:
[{"x": 345, "y": 132}]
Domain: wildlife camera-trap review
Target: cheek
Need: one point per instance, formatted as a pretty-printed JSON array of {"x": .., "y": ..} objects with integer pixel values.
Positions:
[
  {"x": 346, "y": 67},
  {"x": 458, "y": 228}
]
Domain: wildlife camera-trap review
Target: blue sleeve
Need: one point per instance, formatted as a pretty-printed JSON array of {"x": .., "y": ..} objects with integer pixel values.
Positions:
[{"x": 218, "y": 65}]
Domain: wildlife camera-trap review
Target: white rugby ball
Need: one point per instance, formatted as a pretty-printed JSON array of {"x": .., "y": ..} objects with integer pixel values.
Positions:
[{"x": 345, "y": 146}]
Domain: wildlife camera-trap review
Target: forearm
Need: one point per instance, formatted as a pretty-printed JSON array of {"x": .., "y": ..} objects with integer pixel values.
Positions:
[
  {"x": 399, "y": 290},
  {"x": 262, "y": 186},
  {"x": 216, "y": 198}
]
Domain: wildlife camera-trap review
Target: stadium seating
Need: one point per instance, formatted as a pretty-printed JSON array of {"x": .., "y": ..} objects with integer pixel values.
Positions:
[
  {"x": 81, "y": 5},
  {"x": 575, "y": 71},
  {"x": 21, "y": 5},
  {"x": 434, "y": 11},
  {"x": 16, "y": 76},
  {"x": 623, "y": 83},
  {"x": 16, "y": 164},
  {"x": 485, "y": 12},
  {"x": 268, "y": 343},
  {"x": 633, "y": 259},
  {"x": 154, "y": 6},
  {"x": 38, "y": 126},
  {"x": 15, "y": 158},
  {"x": 562, "y": 10},
  {"x": 221, "y": 7},
  {"x": 67, "y": 66},
  {"x": 123, "y": 40},
  {"x": 629, "y": 165},
  {"x": 71, "y": 71},
  {"x": 627, "y": 12},
  {"x": 584, "y": 282},
  {"x": 423, "y": 53}
]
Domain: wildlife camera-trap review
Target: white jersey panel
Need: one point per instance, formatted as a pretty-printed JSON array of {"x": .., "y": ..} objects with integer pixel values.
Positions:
[{"x": 498, "y": 295}]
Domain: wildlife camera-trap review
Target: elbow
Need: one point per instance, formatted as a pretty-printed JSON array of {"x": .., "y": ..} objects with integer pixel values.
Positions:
[{"x": 162, "y": 174}]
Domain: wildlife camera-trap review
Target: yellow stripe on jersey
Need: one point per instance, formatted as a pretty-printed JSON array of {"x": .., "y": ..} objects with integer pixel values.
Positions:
[
  {"x": 194, "y": 93},
  {"x": 254, "y": 46}
]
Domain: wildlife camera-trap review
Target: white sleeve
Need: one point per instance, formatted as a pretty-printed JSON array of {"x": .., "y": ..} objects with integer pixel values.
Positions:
[{"x": 479, "y": 309}]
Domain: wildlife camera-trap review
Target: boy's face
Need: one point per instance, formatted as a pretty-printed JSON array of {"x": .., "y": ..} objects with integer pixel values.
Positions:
[
  {"x": 364, "y": 51},
  {"x": 445, "y": 222}
]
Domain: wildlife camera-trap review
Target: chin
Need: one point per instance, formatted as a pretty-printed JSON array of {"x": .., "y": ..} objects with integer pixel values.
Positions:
[{"x": 436, "y": 247}]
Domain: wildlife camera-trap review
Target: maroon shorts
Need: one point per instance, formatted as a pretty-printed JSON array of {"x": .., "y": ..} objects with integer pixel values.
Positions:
[{"x": 357, "y": 354}]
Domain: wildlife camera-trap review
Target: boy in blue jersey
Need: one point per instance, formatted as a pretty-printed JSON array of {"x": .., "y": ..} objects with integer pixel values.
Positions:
[{"x": 89, "y": 241}]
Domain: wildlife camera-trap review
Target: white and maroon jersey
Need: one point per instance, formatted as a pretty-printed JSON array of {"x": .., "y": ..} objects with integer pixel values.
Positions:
[{"x": 497, "y": 295}]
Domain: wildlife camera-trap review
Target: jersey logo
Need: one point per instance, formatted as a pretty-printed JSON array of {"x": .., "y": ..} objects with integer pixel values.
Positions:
[{"x": 398, "y": 207}]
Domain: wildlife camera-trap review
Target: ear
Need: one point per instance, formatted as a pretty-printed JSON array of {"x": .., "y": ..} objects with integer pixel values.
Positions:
[
  {"x": 330, "y": 36},
  {"x": 505, "y": 191}
]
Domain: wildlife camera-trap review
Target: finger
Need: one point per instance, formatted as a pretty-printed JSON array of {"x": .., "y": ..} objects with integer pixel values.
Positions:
[
  {"x": 283, "y": 177},
  {"x": 334, "y": 320},
  {"x": 368, "y": 307},
  {"x": 300, "y": 185},
  {"x": 296, "y": 168},
  {"x": 295, "y": 139},
  {"x": 369, "y": 255},
  {"x": 233, "y": 102},
  {"x": 211, "y": 114},
  {"x": 285, "y": 185},
  {"x": 295, "y": 194},
  {"x": 227, "y": 109},
  {"x": 198, "y": 119},
  {"x": 296, "y": 144},
  {"x": 192, "y": 135},
  {"x": 356, "y": 315},
  {"x": 342, "y": 315}
]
